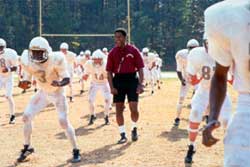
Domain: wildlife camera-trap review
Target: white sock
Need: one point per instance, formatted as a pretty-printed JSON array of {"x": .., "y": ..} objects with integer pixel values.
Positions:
[
  {"x": 122, "y": 129},
  {"x": 133, "y": 125}
]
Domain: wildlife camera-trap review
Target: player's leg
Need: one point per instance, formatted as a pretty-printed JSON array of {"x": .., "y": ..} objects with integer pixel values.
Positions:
[
  {"x": 92, "y": 95},
  {"x": 105, "y": 89},
  {"x": 182, "y": 96},
  {"x": 226, "y": 112},
  {"x": 133, "y": 98},
  {"x": 9, "y": 97},
  {"x": 36, "y": 104},
  {"x": 199, "y": 105},
  {"x": 236, "y": 142},
  {"x": 60, "y": 101},
  {"x": 71, "y": 86}
]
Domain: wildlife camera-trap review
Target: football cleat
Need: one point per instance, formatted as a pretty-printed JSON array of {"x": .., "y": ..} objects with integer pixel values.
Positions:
[
  {"x": 76, "y": 156},
  {"x": 177, "y": 122},
  {"x": 190, "y": 153},
  {"x": 92, "y": 119},
  {"x": 24, "y": 91},
  {"x": 25, "y": 152},
  {"x": 12, "y": 119},
  {"x": 71, "y": 99},
  {"x": 81, "y": 92},
  {"x": 106, "y": 120}
]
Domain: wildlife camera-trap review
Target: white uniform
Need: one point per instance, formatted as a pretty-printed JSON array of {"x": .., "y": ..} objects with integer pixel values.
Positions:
[
  {"x": 201, "y": 64},
  {"x": 159, "y": 64},
  {"x": 181, "y": 65},
  {"x": 99, "y": 82},
  {"x": 227, "y": 25},
  {"x": 8, "y": 59},
  {"x": 54, "y": 69},
  {"x": 146, "y": 69}
]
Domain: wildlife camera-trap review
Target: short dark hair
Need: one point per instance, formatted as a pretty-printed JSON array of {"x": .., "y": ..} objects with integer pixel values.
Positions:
[{"x": 122, "y": 31}]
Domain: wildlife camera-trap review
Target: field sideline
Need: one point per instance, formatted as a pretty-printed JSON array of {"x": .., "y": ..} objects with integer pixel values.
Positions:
[{"x": 159, "y": 143}]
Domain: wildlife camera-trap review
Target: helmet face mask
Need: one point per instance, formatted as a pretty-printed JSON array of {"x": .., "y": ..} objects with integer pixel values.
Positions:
[
  {"x": 2, "y": 49},
  {"x": 38, "y": 56},
  {"x": 39, "y": 50}
]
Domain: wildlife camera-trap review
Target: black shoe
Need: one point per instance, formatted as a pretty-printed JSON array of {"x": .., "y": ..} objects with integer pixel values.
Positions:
[
  {"x": 206, "y": 119},
  {"x": 12, "y": 119},
  {"x": 106, "y": 120},
  {"x": 177, "y": 122},
  {"x": 134, "y": 135},
  {"x": 35, "y": 90},
  {"x": 152, "y": 92},
  {"x": 190, "y": 153},
  {"x": 81, "y": 92},
  {"x": 92, "y": 119},
  {"x": 24, "y": 91},
  {"x": 123, "y": 139},
  {"x": 76, "y": 156},
  {"x": 71, "y": 99},
  {"x": 25, "y": 152}
]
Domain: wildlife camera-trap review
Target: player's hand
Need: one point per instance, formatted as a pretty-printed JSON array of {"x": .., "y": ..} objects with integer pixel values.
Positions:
[
  {"x": 56, "y": 83},
  {"x": 24, "y": 84},
  {"x": 183, "y": 82},
  {"x": 140, "y": 89},
  {"x": 207, "y": 138},
  {"x": 114, "y": 91},
  {"x": 85, "y": 77},
  {"x": 5, "y": 70}
]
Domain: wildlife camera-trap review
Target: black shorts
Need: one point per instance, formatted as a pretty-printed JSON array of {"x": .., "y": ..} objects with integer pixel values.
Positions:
[{"x": 126, "y": 85}]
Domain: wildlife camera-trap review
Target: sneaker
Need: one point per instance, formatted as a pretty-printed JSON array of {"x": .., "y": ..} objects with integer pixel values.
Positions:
[
  {"x": 177, "y": 122},
  {"x": 25, "y": 152},
  {"x": 190, "y": 153},
  {"x": 12, "y": 119},
  {"x": 71, "y": 99},
  {"x": 123, "y": 139},
  {"x": 92, "y": 119},
  {"x": 81, "y": 92},
  {"x": 76, "y": 156},
  {"x": 106, "y": 120},
  {"x": 134, "y": 135}
]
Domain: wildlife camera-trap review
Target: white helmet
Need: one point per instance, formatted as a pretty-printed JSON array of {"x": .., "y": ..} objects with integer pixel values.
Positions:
[
  {"x": 145, "y": 50},
  {"x": 39, "y": 44},
  {"x": 81, "y": 53},
  {"x": 87, "y": 52},
  {"x": 192, "y": 43},
  {"x": 2, "y": 42},
  {"x": 105, "y": 49},
  {"x": 64, "y": 45},
  {"x": 98, "y": 54}
]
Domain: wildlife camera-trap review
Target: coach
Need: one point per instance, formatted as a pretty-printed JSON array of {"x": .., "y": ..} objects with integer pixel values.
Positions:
[{"x": 124, "y": 61}]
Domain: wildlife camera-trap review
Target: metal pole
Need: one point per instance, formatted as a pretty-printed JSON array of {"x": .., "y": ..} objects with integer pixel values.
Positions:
[
  {"x": 40, "y": 17},
  {"x": 128, "y": 17}
]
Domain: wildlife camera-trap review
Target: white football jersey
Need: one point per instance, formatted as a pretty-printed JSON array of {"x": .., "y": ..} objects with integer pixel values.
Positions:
[
  {"x": 181, "y": 61},
  {"x": 98, "y": 73},
  {"x": 81, "y": 60},
  {"x": 159, "y": 61},
  {"x": 201, "y": 64},
  {"x": 54, "y": 69},
  {"x": 8, "y": 59},
  {"x": 70, "y": 59},
  {"x": 227, "y": 25}
]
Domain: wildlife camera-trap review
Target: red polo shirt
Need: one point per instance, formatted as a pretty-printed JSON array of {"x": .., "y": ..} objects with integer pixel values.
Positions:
[{"x": 124, "y": 60}]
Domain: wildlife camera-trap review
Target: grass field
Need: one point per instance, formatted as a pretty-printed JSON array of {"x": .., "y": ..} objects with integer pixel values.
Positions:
[{"x": 159, "y": 144}]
